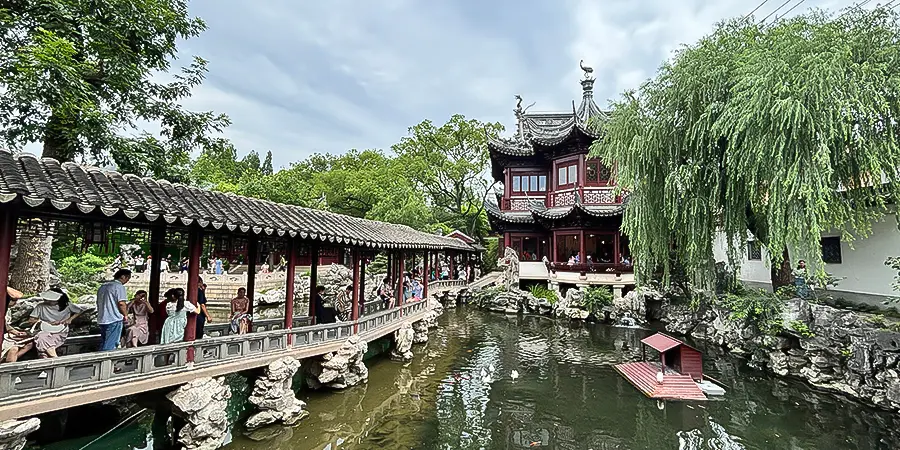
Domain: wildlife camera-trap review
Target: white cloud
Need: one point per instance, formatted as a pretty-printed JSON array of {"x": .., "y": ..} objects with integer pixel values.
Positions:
[{"x": 302, "y": 77}]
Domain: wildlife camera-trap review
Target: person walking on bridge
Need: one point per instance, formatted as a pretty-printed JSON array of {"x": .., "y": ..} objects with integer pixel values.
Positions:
[{"x": 111, "y": 309}]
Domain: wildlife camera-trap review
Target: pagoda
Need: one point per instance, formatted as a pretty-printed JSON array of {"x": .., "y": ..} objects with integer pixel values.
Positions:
[{"x": 557, "y": 202}]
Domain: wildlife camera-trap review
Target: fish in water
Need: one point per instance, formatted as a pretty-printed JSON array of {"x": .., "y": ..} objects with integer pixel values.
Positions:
[{"x": 514, "y": 374}]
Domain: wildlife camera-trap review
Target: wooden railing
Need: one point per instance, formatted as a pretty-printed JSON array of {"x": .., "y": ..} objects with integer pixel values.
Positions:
[
  {"x": 592, "y": 268},
  {"x": 35, "y": 379},
  {"x": 593, "y": 195}
]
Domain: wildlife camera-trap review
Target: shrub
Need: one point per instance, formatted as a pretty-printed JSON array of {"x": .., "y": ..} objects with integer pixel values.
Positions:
[
  {"x": 757, "y": 307},
  {"x": 82, "y": 274},
  {"x": 596, "y": 297},
  {"x": 539, "y": 291},
  {"x": 489, "y": 257},
  {"x": 802, "y": 329}
]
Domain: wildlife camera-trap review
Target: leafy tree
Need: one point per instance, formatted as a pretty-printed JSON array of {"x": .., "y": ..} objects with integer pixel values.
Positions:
[
  {"x": 449, "y": 164},
  {"x": 76, "y": 74},
  {"x": 785, "y": 129},
  {"x": 267, "y": 164}
]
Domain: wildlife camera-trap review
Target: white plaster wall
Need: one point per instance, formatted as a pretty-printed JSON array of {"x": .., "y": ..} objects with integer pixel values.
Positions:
[{"x": 862, "y": 266}]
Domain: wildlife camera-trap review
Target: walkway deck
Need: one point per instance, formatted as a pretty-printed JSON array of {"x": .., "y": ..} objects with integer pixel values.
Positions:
[
  {"x": 674, "y": 386},
  {"x": 75, "y": 380}
]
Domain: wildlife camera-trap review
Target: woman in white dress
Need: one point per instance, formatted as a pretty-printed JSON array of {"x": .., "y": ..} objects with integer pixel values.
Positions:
[{"x": 176, "y": 322}]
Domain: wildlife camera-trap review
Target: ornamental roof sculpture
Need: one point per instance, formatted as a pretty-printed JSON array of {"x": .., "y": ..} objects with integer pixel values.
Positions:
[
  {"x": 48, "y": 186},
  {"x": 550, "y": 128}
]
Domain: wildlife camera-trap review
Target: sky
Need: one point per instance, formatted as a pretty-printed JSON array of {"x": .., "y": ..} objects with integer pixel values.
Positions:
[{"x": 301, "y": 77}]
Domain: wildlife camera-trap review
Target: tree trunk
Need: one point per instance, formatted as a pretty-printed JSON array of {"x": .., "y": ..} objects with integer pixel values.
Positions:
[
  {"x": 31, "y": 270},
  {"x": 30, "y": 273},
  {"x": 782, "y": 275}
]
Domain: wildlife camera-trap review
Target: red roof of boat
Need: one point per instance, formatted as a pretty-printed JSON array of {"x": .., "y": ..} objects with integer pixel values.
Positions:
[{"x": 660, "y": 342}]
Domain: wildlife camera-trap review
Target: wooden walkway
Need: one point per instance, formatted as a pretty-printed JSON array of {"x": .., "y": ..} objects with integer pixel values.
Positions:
[{"x": 674, "y": 386}]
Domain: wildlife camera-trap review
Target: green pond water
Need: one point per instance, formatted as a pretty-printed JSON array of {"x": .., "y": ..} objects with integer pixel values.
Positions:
[{"x": 567, "y": 396}]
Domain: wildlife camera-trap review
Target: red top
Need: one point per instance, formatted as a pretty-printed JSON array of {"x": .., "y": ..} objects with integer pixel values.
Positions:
[{"x": 660, "y": 342}]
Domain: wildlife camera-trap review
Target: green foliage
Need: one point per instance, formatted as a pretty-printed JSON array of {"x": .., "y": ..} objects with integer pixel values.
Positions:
[
  {"x": 757, "y": 307},
  {"x": 82, "y": 274},
  {"x": 449, "y": 164},
  {"x": 894, "y": 263},
  {"x": 596, "y": 297},
  {"x": 76, "y": 74},
  {"x": 877, "y": 320},
  {"x": 489, "y": 258},
  {"x": 847, "y": 352},
  {"x": 802, "y": 329},
  {"x": 755, "y": 127},
  {"x": 540, "y": 291}
]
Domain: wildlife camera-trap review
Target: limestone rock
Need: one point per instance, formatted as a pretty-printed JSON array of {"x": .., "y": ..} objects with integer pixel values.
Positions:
[
  {"x": 14, "y": 433},
  {"x": 202, "y": 404},
  {"x": 403, "y": 341},
  {"x": 274, "y": 396},
  {"x": 420, "y": 332},
  {"x": 340, "y": 369}
]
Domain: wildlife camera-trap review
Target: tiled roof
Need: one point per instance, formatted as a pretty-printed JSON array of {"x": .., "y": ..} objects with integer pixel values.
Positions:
[
  {"x": 660, "y": 342},
  {"x": 47, "y": 184}
]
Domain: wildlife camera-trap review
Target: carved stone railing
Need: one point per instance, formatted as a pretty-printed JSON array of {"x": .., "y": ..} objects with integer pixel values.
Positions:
[
  {"x": 35, "y": 379},
  {"x": 446, "y": 284},
  {"x": 85, "y": 344},
  {"x": 592, "y": 268}
]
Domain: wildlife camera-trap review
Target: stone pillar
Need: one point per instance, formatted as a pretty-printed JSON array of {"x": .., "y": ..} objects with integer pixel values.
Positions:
[
  {"x": 403, "y": 340},
  {"x": 14, "y": 433},
  {"x": 202, "y": 404},
  {"x": 340, "y": 369},
  {"x": 274, "y": 396},
  {"x": 617, "y": 290}
]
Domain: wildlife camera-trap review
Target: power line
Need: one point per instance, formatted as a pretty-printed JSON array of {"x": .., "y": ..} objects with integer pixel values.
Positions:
[
  {"x": 792, "y": 8},
  {"x": 757, "y": 7},
  {"x": 776, "y": 10}
]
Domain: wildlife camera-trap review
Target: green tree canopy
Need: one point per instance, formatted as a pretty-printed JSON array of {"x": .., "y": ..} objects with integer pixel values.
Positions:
[
  {"x": 76, "y": 75},
  {"x": 786, "y": 129},
  {"x": 449, "y": 164}
]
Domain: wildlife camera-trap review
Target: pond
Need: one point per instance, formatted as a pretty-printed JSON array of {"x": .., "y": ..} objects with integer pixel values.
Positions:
[{"x": 567, "y": 396}]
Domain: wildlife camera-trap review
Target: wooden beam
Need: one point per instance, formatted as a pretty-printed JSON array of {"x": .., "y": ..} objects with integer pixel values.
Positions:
[
  {"x": 157, "y": 242},
  {"x": 313, "y": 279},
  {"x": 195, "y": 248}
]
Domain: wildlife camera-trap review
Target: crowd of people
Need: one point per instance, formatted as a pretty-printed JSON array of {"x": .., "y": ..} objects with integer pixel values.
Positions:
[{"x": 125, "y": 322}]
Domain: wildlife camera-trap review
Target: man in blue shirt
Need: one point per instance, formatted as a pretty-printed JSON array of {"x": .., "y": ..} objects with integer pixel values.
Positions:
[{"x": 111, "y": 309}]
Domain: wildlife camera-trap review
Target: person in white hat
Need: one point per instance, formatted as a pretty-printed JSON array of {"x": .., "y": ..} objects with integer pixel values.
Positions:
[{"x": 52, "y": 318}]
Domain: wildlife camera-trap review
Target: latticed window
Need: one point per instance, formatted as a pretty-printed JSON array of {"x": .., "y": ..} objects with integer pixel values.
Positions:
[
  {"x": 754, "y": 251},
  {"x": 597, "y": 173},
  {"x": 831, "y": 250}
]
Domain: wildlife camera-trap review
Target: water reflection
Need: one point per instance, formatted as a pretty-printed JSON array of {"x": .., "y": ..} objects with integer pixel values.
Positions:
[{"x": 567, "y": 396}]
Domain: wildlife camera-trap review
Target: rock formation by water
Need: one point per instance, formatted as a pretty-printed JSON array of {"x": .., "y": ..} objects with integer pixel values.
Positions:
[
  {"x": 202, "y": 404},
  {"x": 835, "y": 349},
  {"x": 340, "y": 369},
  {"x": 403, "y": 341},
  {"x": 420, "y": 332},
  {"x": 274, "y": 396},
  {"x": 14, "y": 433}
]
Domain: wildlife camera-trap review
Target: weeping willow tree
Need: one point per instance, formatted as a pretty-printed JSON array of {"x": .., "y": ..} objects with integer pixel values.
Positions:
[{"x": 786, "y": 130}]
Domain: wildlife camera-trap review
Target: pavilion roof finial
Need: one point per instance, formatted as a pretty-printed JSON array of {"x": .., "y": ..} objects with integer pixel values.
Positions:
[{"x": 587, "y": 70}]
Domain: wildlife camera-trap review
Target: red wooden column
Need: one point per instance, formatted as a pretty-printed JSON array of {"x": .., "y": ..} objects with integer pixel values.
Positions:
[
  {"x": 354, "y": 309},
  {"x": 252, "y": 258},
  {"x": 157, "y": 242},
  {"x": 426, "y": 268},
  {"x": 313, "y": 279},
  {"x": 195, "y": 248},
  {"x": 581, "y": 256},
  {"x": 289, "y": 273},
  {"x": 400, "y": 269},
  {"x": 7, "y": 234}
]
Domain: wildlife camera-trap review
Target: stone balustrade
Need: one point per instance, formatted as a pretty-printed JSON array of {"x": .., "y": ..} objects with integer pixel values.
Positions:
[{"x": 46, "y": 378}]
